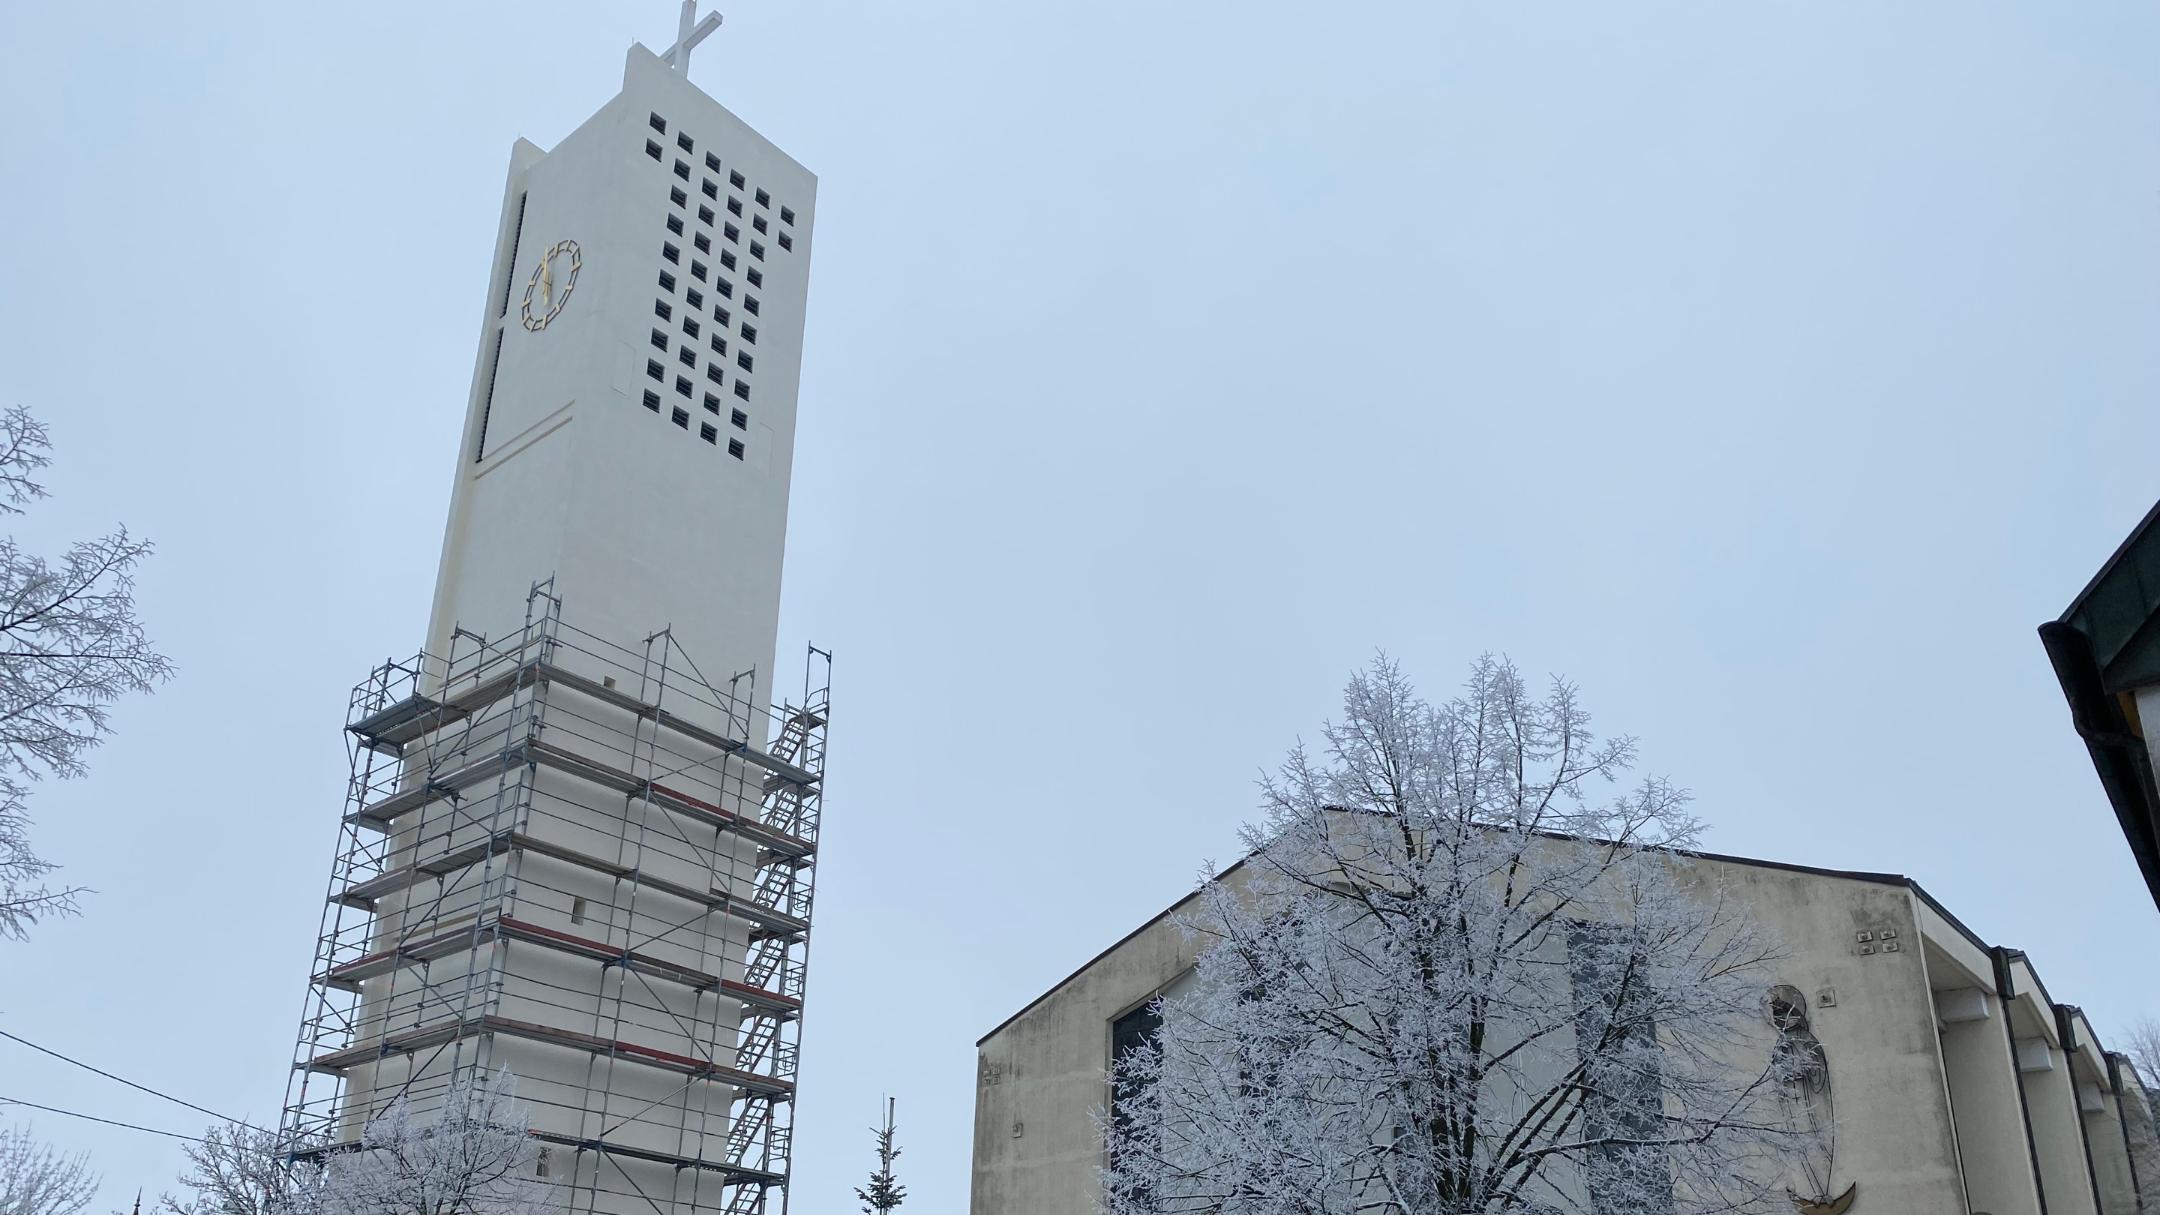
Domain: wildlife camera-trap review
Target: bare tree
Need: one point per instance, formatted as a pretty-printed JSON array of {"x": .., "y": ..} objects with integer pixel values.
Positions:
[
  {"x": 36, "y": 1179},
  {"x": 1449, "y": 982},
  {"x": 884, "y": 1193},
  {"x": 70, "y": 645},
  {"x": 240, "y": 1170},
  {"x": 2142, "y": 1044}
]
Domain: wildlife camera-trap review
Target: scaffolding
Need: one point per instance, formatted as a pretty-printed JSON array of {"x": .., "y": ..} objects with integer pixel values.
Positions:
[{"x": 593, "y": 867}]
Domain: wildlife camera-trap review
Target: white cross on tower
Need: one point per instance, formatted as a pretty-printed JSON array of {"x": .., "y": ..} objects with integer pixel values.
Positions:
[{"x": 689, "y": 31}]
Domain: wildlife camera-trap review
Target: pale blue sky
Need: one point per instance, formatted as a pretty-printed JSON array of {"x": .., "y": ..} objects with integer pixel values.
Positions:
[{"x": 1771, "y": 369}]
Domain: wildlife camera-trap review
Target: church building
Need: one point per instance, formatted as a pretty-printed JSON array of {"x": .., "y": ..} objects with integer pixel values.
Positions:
[{"x": 1960, "y": 1085}]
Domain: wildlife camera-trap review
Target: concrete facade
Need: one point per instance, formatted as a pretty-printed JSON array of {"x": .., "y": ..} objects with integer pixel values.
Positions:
[{"x": 1960, "y": 1087}]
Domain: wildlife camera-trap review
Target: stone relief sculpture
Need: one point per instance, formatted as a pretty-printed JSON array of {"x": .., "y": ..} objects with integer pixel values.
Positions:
[{"x": 1803, "y": 1068}]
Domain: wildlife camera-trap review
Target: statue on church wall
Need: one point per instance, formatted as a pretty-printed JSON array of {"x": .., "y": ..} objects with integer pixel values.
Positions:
[{"x": 1803, "y": 1070}]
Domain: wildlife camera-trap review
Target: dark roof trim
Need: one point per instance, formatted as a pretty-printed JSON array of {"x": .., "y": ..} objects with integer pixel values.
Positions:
[
  {"x": 2118, "y": 753},
  {"x": 1885, "y": 879}
]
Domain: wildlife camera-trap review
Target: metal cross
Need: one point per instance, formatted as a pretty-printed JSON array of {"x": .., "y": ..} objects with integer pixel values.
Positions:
[{"x": 689, "y": 31}]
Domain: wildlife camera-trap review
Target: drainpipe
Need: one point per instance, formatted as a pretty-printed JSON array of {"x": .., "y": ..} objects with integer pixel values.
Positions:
[
  {"x": 2062, "y": 1027},
  {"x": 2005, "y": 992}
]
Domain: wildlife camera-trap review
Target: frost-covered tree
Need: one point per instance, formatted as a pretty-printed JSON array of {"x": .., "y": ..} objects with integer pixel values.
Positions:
[
  {"x": 70, "y": 645},
  {"x": 1464, "y": 972},
  {"x": 37, "y": 1179},
  {"x": 472, "y": 1156},
  {"x": 884, "y": 1192}
]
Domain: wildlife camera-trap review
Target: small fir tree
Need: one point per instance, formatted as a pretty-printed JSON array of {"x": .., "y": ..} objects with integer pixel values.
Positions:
[{"x": 883, "y": 1193}]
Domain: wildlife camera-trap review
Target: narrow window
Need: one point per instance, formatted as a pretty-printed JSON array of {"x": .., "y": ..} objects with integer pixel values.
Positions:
[
  {"x": 697, "y": 271},
  {"x": 682, "y": 385},
  {"x": 757, "y": 250},
  {"x": 758, "y": 222},
  {"x": 675, "y": 224},
  {"x": 662, "y": 309},
  {"x": 786, "y": 241},
  {"x": 719, "y": 344},
  {"x": 749, "y": 304},
  {"x": 655, "y": 370},
  {"x": 730, "y": 231},
  {"x": 712, "y": 372},
  {"x": 681, "y": 417},
  {"x": 724, "y": 287},
  {"x": 694, "y": 298},
  {"x": 652, "y": 148},
  {"x": 712, "y": 162},
  {"x": 734, "y": 206},
  {"x": 756, "y": 276},
  {"x": 706, "y": 432},
  {"x": 676, "y": 196},
  {"x": 702, "y": 242},
  {"x": 744, "y": 361},
  {"x": 682, "y": 170},
  {"x": 734, "y": 448},
  {"x": 704, "y": 214},
  {"x": 667, "y": 281},
  {"x": 764, "y": 199},
  {"x": 657, "y": 123},
  {"x": 787, "y": 215},
  {"x": 749, "y": 334},
  {"x": 735, "y": 180},
  {"x": 686, "y": 356},
  {"x": 742, "y": 389},
  {"x": 727, "y": 258},
  {"x": 690, "y": 325},
  {"x": 659, "y": 340},
  {"x": 652, "y": 400},
  {"x": 740, "y": 419},
  {"x": 540, "y": 1164},
  {"x": 712, "y": 403},
  {"x": 709, "y": 189},
  {"x": 670, "y": 252},
  {"x": 577, "y": 905},
  {"x": 682, "y": 140},
  {"x": 720, "y": 314}
]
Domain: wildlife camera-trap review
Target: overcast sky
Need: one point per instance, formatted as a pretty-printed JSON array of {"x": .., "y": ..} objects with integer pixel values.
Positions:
[{"x": 1770, "y": 369}]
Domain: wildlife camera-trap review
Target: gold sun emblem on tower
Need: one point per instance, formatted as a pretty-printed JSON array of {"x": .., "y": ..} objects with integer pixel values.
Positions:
[{"x": 551, "y": 283}]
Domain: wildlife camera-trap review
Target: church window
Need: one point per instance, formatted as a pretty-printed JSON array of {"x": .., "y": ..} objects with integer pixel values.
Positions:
[
  {"x": 686, "y": 356},
  {"x": 675, "y": 224},
  {"x": 663, "y": 309},
  {"x": 682, "y": 170},
  {"x": 749, "y": 334},
  {"x": 734, "y": 206},
  {"x": 682, "y": 385},
  {"x": 655, "y": 370},
  {"x": 786, "y": 241},
  {"x": 706, "y": 432},
  {"x": 712, "y": 162},
  {"x": 683, "y": 141},
  {"x": 670, "y": 252},
  {"x": 757, "y": 250},
  {"x": 1128, "y": 1034},
  {"x": 758, "y": 222},
  {"x": 787, "y": 215},
  {"x": 681, "y": 417},
  {"x": 739, "y": 419},
  {"x": 735, "y": 180},
  {"x": 690, "y": 325},
  {"x": 756, "y": 276},
  {"x": 730, "y": 231},
  {"x": 742, "y": 389},
  {"x": 652, "y": 400},
  {"x": 744, "y": 361},
  {"x": 667, "y": 281},
  {"x": 652, "y": 149},
  {"x": 1623, "y": 1103},
  {"x": 704, "y": 214},
  {"x": 734, "y": 448},
  {"x": 764, "y": 199},
  {"x": 657, "y": 123},
  {"x": 659, "y": 340}
]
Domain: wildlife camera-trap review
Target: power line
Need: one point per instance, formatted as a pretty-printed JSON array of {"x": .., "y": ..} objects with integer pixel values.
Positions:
[
  {"x": 130, "y": 1083},
  {"x": 52, "y": 1109}
]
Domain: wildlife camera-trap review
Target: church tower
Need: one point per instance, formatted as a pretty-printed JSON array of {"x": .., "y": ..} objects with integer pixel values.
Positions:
[{"x": 580, "y": 839}]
